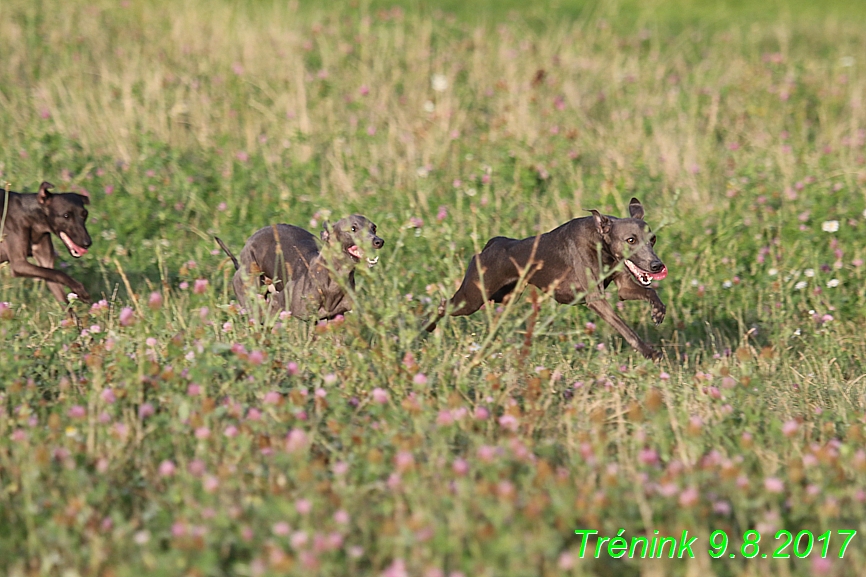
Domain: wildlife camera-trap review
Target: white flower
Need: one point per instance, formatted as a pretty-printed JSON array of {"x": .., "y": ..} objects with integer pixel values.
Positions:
[
  {"x": 72, "y": 297},
  {"x": 439, "y": 82},
  {"x": 833, "y": 283},
  {"x": 727, "y": 284},
  {"x": 421, "y": 172},
  {"x": 809, "y": 272},
  {"x": 471, "y": 192},
  {"x": 846, "y": 61},
  {"x": 830, "y": 225},
  {"x": 429, "y": 106},
  {"x": 797, "y": 333},
  {"x": 695, "y": 282},
  {"x": 773, "y": 272},
  {"x": 800, "y": 285},
  {"x": 142, "y": 537}
]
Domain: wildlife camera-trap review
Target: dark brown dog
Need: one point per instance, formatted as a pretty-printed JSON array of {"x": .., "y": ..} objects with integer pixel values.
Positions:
[
  {"x": 304, "y": 285},
  {"x": 576, "y": 261},
  {"x": 30, "y": 221}
]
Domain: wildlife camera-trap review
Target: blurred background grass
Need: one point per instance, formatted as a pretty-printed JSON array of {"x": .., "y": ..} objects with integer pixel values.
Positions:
[{"x": 669, "y": 14}]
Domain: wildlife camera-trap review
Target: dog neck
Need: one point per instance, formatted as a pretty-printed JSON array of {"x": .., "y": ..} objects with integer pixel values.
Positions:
[
  {"x": 33, "y": 215},
  {"x": 329, "y": 260},
  {"x": 591, "y": 240}
]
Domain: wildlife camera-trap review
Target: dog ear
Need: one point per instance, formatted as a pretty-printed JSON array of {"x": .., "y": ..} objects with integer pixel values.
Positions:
[
  {"x": 43, "y": 195},
  {"x": 84, "y": 198},
  {"x": 602, "y": 223},
  {"x": 325, "y": 235},
  {"x": 635, "y": 208}
]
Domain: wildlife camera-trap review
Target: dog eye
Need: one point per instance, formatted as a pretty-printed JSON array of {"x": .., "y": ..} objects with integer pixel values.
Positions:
[
  {"x": 630, "y": 240},
  {"x": 84, "y": 214},
  {"x": 67, "y": 215},
  {"x": 354, "y": 229}
]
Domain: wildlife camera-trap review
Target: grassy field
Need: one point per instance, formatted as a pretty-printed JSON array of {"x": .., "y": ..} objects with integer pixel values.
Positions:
[{"x": 178, "y": 438}]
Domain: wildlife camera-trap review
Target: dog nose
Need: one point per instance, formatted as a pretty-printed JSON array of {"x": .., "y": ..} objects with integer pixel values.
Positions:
[
  {"x": 378, "y": 242},
  {"x": 657, "y": 266}
]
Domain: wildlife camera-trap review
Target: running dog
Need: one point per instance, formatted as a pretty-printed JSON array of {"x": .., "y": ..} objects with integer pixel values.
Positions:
[
  {"x": 30, "y": 220},
  {"x": 298, "y": 274},
  {"x": 576, "y": 261}
]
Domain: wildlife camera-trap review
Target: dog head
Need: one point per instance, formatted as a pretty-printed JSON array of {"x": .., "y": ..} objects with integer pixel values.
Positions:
[
  {"x": 66, "y": 217},
  {"x": 630, "y": 240},
  {"x": 356, "y": 236}
]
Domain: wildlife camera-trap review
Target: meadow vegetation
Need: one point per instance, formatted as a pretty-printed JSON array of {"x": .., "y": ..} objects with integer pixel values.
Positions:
[{"x": 165, "y": 434}]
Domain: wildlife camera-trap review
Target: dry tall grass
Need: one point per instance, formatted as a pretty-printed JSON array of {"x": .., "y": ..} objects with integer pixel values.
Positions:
[{"x": 216, "y": 75}]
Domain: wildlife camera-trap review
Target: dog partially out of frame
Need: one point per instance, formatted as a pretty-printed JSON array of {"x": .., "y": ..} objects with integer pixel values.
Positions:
[
  {"x": 300, "y": 277},
  {"x": 578, "y": 259},
  {"x": 30, "y": 220}
]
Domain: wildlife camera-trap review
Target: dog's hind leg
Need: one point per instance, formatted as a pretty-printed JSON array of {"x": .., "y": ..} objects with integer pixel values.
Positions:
[
  {"x": 243, "y": 286},
  {"x": 503, "y": 292},
  {"x": 469, "y": 297},
  {"x": 605, "y": 311}
]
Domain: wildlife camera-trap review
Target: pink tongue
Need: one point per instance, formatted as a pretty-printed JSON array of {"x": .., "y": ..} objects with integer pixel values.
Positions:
[
  {"x": 658, "y": 275},
  {"x": 71, "y": 244},
  {"x": 353, "y": 250}
]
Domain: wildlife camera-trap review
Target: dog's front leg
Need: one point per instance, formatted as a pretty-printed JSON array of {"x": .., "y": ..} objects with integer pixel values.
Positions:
[
  {"x": 629, "y": 291},
  {"x": 27, "y": 269},
  {"x": 21, "y": 267},
  {"x": 605, "y": 311},
  {"x": 43, "y": 252}
]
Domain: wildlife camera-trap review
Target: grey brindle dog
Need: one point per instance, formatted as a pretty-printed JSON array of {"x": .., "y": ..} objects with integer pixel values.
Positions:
[
  {"x": 300, "y": 276},
  {"x": 31, "y": 219},
  {"x": 576, "y": 261}
]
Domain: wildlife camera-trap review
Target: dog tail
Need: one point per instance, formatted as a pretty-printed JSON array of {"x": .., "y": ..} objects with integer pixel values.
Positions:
[{"x": 228, "y": 252}]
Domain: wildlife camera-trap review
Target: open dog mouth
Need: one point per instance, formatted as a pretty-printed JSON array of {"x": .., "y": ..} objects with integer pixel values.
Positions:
[
  {"x": 74, "y": 249},
  {"x": 354, "y": 252},
  {"x": 645, "y": 277}
]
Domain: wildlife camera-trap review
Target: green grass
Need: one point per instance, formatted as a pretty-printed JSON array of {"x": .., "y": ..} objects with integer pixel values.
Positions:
[{"x": 192, "y": 442}]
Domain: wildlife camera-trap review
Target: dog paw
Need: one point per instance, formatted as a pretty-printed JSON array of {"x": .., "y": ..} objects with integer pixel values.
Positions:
[
  {"x": 652, "y": 354},
  {"x": 658, "y": 313},
  {"x": 81, "y": 293}
]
